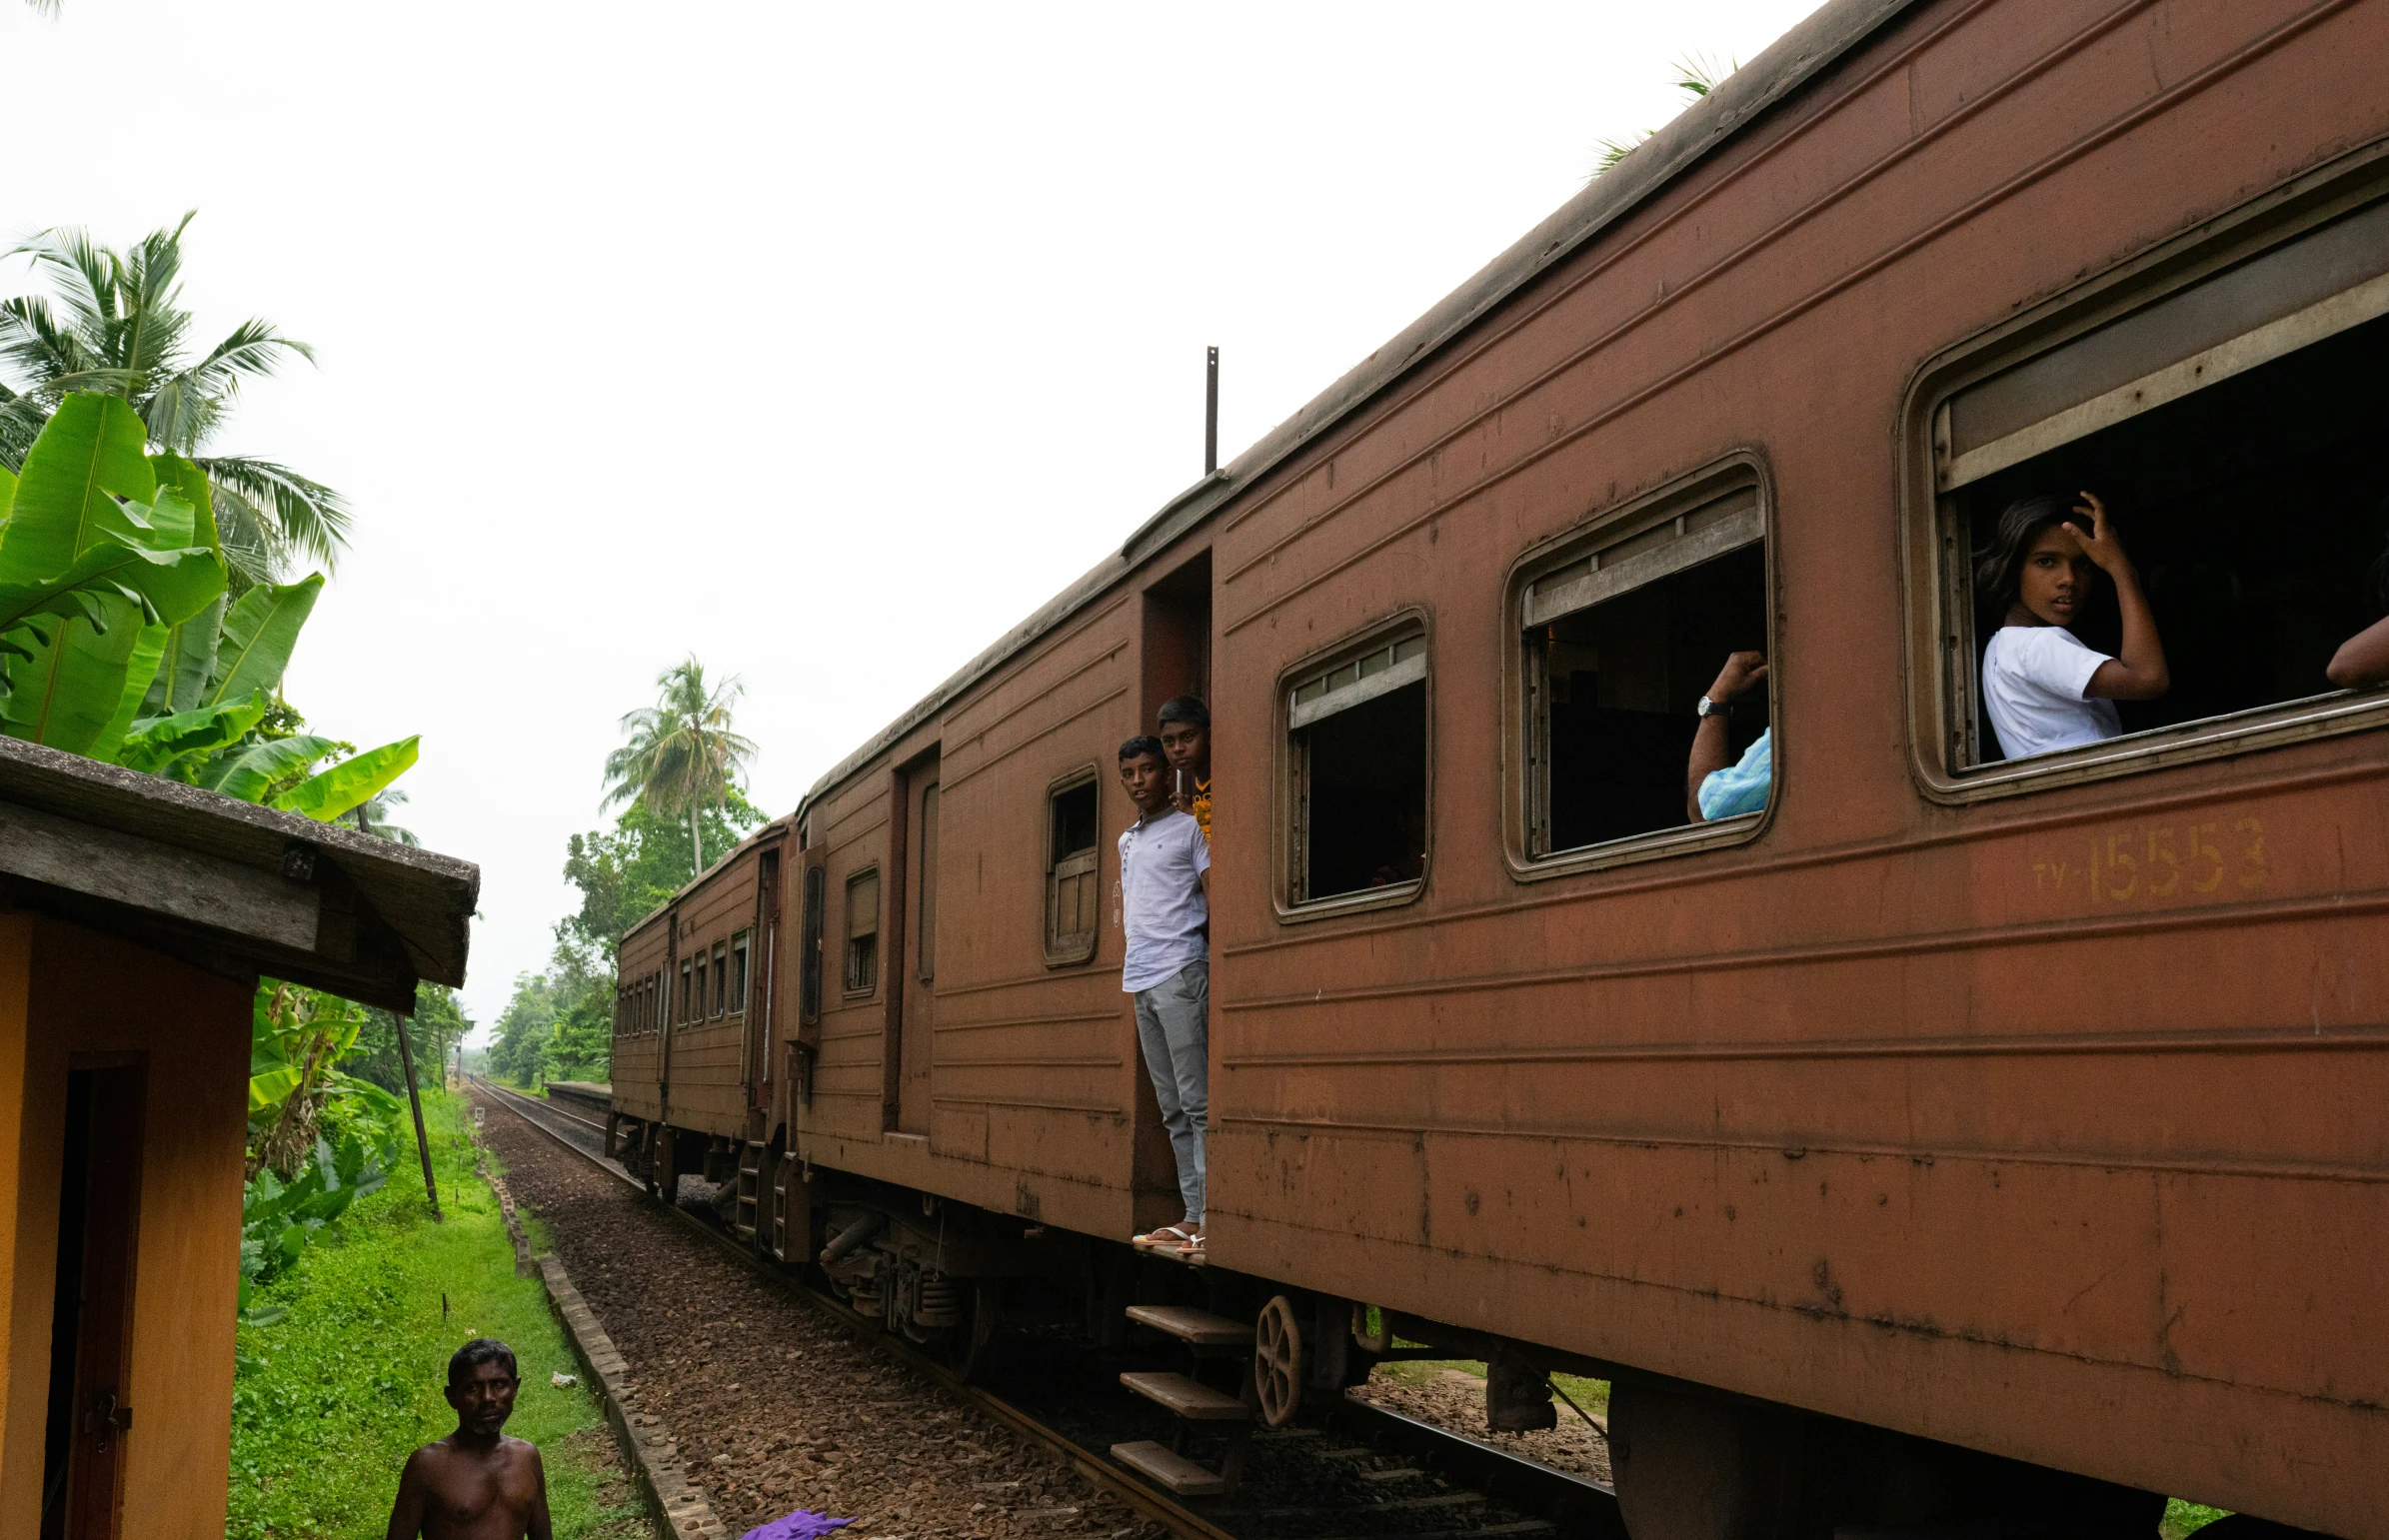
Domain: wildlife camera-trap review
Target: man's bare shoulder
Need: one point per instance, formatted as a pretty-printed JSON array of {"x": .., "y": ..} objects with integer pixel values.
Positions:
[{"x": 509, "y": 1450}]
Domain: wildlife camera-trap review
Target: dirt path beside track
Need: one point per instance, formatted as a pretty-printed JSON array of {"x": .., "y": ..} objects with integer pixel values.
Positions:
[{"x": 774, "y": 1406}]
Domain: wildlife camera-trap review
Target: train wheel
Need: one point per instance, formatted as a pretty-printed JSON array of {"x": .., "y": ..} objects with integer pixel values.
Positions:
[
  {"x": 1277, "y": 1362},
  {"x": 973, "y": 1344}
]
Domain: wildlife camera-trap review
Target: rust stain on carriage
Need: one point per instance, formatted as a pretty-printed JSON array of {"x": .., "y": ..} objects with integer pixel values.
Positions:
[{"x": 2118, "y": 1037}]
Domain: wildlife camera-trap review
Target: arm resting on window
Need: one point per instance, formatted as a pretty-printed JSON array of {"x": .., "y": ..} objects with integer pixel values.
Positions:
[{"x": 2363, "y": 658}]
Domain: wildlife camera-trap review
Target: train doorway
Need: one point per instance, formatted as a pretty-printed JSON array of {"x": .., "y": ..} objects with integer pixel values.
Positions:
[
  {"x": 754, "y": 968},
  {"x": 916, "y": 979},
  {"x": 91, "y": 1309}
]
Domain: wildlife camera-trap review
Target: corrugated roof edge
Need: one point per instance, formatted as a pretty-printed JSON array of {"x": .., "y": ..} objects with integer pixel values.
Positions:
[{"x": 1808, "y": 47}]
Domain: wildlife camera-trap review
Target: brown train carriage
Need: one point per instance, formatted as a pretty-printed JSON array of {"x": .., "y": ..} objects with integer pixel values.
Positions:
[
  {"x": 696, "y": 1013},
  {"x": 1953, "y": 1121}
]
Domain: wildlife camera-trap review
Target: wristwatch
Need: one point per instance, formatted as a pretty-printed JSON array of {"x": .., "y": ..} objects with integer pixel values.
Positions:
[{"x": 1709, "y": 708}]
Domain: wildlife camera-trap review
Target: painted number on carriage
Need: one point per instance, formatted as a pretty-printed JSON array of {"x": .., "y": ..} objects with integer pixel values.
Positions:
[{"x": 2156, "y": 863}]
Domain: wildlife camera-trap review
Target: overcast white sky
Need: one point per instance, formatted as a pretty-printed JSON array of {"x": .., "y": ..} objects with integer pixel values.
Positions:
[{"x": 650, "y": 329}]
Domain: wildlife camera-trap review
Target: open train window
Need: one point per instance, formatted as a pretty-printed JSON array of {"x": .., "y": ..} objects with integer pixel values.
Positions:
[
  {"x": 721, "y": 977},
  {"x": 1073, "y": 876},
  {"x": 863, "y": 932},
  {"x": 686, "y": 995},
  {"x": 1358, "y": 754},
  {"x": 1623, "y": 627},
  {"x": 2230, "y": 420},
  {"x": 737, "y": 974}
]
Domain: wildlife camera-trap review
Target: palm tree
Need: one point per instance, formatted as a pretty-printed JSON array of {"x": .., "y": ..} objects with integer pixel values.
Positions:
[
  {"x": 372, "y": 817},
  {"x": 681, "y": 755},
  {"x": 118, "y": 327}
]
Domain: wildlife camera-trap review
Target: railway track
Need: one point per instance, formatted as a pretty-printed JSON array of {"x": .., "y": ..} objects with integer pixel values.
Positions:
[{"x": 1425, "y": 1484}]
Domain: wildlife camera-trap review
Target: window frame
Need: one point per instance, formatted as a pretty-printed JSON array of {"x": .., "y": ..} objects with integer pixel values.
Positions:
[
  {"x": 1739, "y": 470},
  {"x": 865, "y": 990},
  {"x": 686, "y": 966},
  {"x": 1935, "y": 563},
  {"x": 1076, "y": 953},
  {"x": 740, "y": 962},
  {"x": 720, "y": 996},
  {"x": 1286, "y": 772},
  {"x": 811, "y": 963}
]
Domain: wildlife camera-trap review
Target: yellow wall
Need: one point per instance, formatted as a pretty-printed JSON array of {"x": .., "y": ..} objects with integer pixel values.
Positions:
[{"x": 66, "y": 991}]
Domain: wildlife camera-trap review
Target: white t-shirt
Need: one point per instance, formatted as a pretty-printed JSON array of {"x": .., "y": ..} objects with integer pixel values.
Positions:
[
  {"x": 2033, "y": 682},
  {"x": 1161, "y": 862}
]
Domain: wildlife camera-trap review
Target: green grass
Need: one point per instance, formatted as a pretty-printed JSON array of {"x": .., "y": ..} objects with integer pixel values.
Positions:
[
  {"x": 332, "y": 1398},
  {"x": 1593, "y": 1395},
  {"x": 2184, "y": 1518}
]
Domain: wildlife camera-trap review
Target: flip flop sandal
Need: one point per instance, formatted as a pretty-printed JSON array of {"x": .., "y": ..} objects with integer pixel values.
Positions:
[{"x": 1168, "y": 1238}]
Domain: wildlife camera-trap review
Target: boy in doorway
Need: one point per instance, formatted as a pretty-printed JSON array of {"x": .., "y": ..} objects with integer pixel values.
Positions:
[
  {"x": 1164, "y": 907},
  {"x": 1186, "y": 740},
  {"x": 475, "y": 1484}
]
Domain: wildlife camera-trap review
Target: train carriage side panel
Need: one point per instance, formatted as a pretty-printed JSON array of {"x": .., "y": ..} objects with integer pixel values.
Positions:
[
  {"x": 637, "y": 1073},
  {"x": 2047, "y": 1125}
]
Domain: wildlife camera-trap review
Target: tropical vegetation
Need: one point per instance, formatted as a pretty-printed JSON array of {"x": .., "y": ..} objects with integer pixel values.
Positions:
[
  {"x": 681, "y": 757},
  {"x": 678, "y": 770},
  {"x": 117, "y": 326},
  {"x": 1695, "y": 76}
]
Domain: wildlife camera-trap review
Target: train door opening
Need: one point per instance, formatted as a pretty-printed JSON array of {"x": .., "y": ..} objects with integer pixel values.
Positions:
[
  {"x": 1175, "y": 645},
  {"x": 91, "y": 1305},
  {"x": 914, "y": 994}
]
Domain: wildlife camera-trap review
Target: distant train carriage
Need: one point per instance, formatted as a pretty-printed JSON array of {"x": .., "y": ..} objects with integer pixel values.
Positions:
[{"x": 1964, "y": 1135}]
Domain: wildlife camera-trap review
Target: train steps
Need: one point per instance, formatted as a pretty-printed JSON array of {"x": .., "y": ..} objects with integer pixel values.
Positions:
[
  {"x": 749, "y": 1207},
  {"x": 1196, "y": 1405}
]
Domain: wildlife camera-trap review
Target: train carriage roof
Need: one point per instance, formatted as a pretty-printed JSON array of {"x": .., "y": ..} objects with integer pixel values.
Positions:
[{"x": 1791, "y": 61}]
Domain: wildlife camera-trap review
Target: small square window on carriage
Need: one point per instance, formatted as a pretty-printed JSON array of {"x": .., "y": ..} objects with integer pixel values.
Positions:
[
  {"x": 1357, "y": 784},
  {"x": 1626, "y": 626},
  {"x": 863, "y": 932},
  {"x": 1073, "y": 874},
  {"x": 2222, "y": 398}
]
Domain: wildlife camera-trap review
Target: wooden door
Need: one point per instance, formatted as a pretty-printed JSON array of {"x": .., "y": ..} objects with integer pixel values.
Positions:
[
  {"x": 917, "y": 1025},
  {"x": 756, "y": 985},
  {"x": 91, "y": 1311}
]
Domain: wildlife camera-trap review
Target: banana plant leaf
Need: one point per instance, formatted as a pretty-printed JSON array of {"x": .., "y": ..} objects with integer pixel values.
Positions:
[
  {"x": 250, "y": 772},
  {"x": 170, "y": 585},
  {"x": 190, "y": 661},
  {"x": 89, "y": 455},
  {"x": 349, "y": 783},
  {"x": 189, "y": 483},
  {"x": 8, "y": 492},
  {"x": 259, "y": 631},
  {"x": 70, "y": 686},
  {"x": 267, "y": 1087},
  {"x": 158, "y": 746}
]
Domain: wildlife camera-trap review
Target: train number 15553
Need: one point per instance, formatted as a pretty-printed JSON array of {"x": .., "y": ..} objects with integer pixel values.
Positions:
[{"x": 2158, "y": 862}]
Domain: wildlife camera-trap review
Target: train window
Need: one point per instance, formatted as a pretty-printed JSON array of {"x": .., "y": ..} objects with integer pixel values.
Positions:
[
  {"x": 721, "y": 977},
  {"x": 2230, "y": 425},
  {"x": 684, "y": 995},
  {"x": 1073, "y": 874},
  {"x": 863, "y": 932},
  {"x": 1623, "y": 627},
  {"x": 1357, "y": 742},
  {"x": 809, "y": 989},
  {"x": 737, "y": 974}
]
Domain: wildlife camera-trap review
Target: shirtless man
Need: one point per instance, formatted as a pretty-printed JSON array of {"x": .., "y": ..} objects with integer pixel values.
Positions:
[{"x": 475, "y": 1484}]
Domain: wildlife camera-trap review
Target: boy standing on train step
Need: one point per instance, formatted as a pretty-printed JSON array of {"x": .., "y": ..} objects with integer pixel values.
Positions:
[
  {"x": 1165, "y": 910},
  {"x": 1186, "y": 738}
]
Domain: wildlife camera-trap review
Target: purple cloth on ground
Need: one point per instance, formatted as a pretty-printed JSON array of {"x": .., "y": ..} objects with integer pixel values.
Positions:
[{"x": 804, "y": 1524}]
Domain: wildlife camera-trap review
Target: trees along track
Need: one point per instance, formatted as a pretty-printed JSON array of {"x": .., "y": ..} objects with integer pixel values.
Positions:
[{"x": 1567, "y": 1505}]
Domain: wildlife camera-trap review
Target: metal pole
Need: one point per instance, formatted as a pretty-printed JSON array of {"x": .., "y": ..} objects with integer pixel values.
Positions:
[
  {"x": 1211, "y": 411},
  {"x": 423, "y": 1146}
]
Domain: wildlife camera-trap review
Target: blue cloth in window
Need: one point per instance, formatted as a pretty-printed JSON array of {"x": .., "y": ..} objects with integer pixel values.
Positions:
[{"x": 1741, "y": 787}]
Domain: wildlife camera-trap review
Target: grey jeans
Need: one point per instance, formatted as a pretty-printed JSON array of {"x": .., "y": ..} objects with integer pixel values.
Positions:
[{"x": 1174, "y": 1029}]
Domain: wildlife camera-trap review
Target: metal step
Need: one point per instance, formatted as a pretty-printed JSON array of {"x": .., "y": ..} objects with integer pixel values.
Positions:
[
  {"x": 1169, "y": 1470},
  {"x": 1188, "y": 1397},
  {"x": 750, "y": 1204},
  {"x": 1197, "y": 1328}
]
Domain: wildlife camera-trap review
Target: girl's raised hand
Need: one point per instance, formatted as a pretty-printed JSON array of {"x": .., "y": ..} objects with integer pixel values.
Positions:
[{"x": 2102, "y": 544}]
